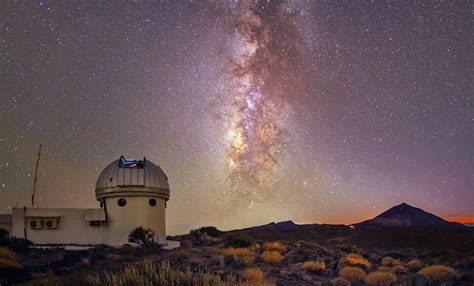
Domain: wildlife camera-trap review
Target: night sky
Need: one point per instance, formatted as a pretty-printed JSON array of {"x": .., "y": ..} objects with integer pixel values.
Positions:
[{"x": 258, "y": 112}]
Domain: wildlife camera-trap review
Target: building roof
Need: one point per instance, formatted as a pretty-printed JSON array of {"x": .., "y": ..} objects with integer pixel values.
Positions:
[{"x": 124, "y": 175}]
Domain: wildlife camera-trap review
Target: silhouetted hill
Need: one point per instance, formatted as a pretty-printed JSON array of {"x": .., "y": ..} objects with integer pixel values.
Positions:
[
  {"x": 402, "y": 226},
  {"x": 282, "y": 226},
  {"x": 405, "y": 215}
]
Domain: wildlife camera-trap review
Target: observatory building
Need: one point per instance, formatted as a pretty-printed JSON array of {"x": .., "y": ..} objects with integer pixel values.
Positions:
[{"x": 131, "y": 193}]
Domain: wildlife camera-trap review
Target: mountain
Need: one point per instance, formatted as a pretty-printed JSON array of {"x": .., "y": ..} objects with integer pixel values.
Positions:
[{"x": 405, "y": 215}]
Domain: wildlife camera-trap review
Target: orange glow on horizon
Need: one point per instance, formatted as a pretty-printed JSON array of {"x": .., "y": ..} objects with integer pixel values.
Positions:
[{"x": 461, "y": 218}]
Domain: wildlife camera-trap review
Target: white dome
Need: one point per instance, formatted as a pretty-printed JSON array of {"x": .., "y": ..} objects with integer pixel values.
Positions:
[{"x": 130, "y": 177}]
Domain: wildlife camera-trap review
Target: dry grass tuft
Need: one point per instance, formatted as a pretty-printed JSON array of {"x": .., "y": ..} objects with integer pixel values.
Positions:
[
  {"x": 275, "y": 246},
  {"x": 7, "y": 253},
  {"x": 437, "y": 272},
  {"x": 380, "y": 278},
  {"x": 272, "y": 257},
  {"x": 8, "y": 259},
  {"x": 389, "y": 261},
  {"x": 147, "y": 273},
  {"x": 313, "y": 265},
  {"x": 240, "y": 255},
  {"x": 352, "y": 274},
  {"x": 414, "y": 264},
  {"x": 339, "y": 281},
  {"x": 253, "y": 274},
  {"x": 398, "y": 269},
  {"x": 354, "y": 259}
]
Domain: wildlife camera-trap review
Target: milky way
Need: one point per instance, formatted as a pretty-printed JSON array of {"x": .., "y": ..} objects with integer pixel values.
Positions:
[
  {"x": 258, "y": 111},
  {"x": 265, "y": 65}
]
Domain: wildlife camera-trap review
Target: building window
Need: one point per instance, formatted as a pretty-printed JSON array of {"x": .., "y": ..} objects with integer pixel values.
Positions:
[
  {"x": 101, "y": 204},
  {"x": 33, "y": 223},
  {"x": 49, "y": 223},
  {"x": 152, "y": 202},
  {"x": 122, "y": 202}
]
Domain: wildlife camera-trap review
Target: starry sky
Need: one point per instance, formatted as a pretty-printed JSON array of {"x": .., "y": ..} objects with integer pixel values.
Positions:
[{"x": 258, "y": 111}]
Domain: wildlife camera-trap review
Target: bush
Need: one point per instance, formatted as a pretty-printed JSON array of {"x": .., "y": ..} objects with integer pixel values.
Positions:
[
  {"x": 240, "y": 255},
  {"x": 437, "y": 272},
  {"x": 389, "y": 261},
  {"x": 272, "y": 257},
  {"x": 385, "y": 269},
  {"x": 144, "y": 237},
  {"x": 8, "y": 259},
  {"x": 238, "y": 240},
  {"x": 352, "y": 274},
  {"x": 398, "y": 269},
  {"x": 255, "y": 277},
  {"x": 313, "y": 265},
  {"x": 4, "y": 234},
  {"x": 339, "y": 281},
  {"x": 380, "y": 278},
  {"x": 16, "y": 244},
  {"x": 209, "y": 230},
  {"x": 274, "y": 246},
  {"x": 414, "y": 264},
  {"x": 354, "y": 259}
]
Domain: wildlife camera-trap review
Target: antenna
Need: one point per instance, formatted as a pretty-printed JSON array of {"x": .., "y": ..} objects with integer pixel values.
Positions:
[{"x": 36, "y": 178}]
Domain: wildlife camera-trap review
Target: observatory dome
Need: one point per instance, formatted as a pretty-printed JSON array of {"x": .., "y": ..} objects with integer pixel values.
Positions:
[{"x": 125, "y": 177}]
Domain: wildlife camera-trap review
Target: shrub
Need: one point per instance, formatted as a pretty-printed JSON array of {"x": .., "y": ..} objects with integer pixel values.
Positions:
[
  {"x": 380, "y": 278},
  {"x": 354, "y": 259},
  {"x": 144, "y": 237},
  {"x": 240, "y": 255},
  {"x": 16, "y": 244},
  {"x": 397, "y": 269},
  {"x": 272, "y": 257},
  {"x": 209, "y": 230},
  {"x": 8, "y": 259},
  {"x": 385, "y": 269},
  {"x": 339, "y": 281},
  {"x": 437, "y": 272},
  {"x": 414, "y": 264},
  {"x": 253, "y": 274},
  {"x": 313, "y": 265},
  {"x": 389, "y": 261},
  {"x": 4, "y": 234},
  {"x": 352, "y": 274},
  {"x": 255, "y": 277},
  {"x": 238, "y": 240},
  {"x": 274, "y": 246}
]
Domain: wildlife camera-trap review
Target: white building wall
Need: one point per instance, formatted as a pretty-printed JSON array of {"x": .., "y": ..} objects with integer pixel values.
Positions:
[
  {"x": 137, "y": 212},
  {"x": 71, "y": 229}
]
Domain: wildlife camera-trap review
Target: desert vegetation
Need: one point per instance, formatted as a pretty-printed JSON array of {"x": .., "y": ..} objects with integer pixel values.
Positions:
[
  {"x": 144, "y": 237},
  {"x": 8, "y": 259},
  {"x": 209, "y": 256}
]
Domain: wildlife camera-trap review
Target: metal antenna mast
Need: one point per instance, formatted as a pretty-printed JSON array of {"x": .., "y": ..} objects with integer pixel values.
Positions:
[{"x": 36, "y": 178}]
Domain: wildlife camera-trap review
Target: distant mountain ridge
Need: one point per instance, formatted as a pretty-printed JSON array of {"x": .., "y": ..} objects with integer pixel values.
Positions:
[{"x": 404, "y": 215}]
